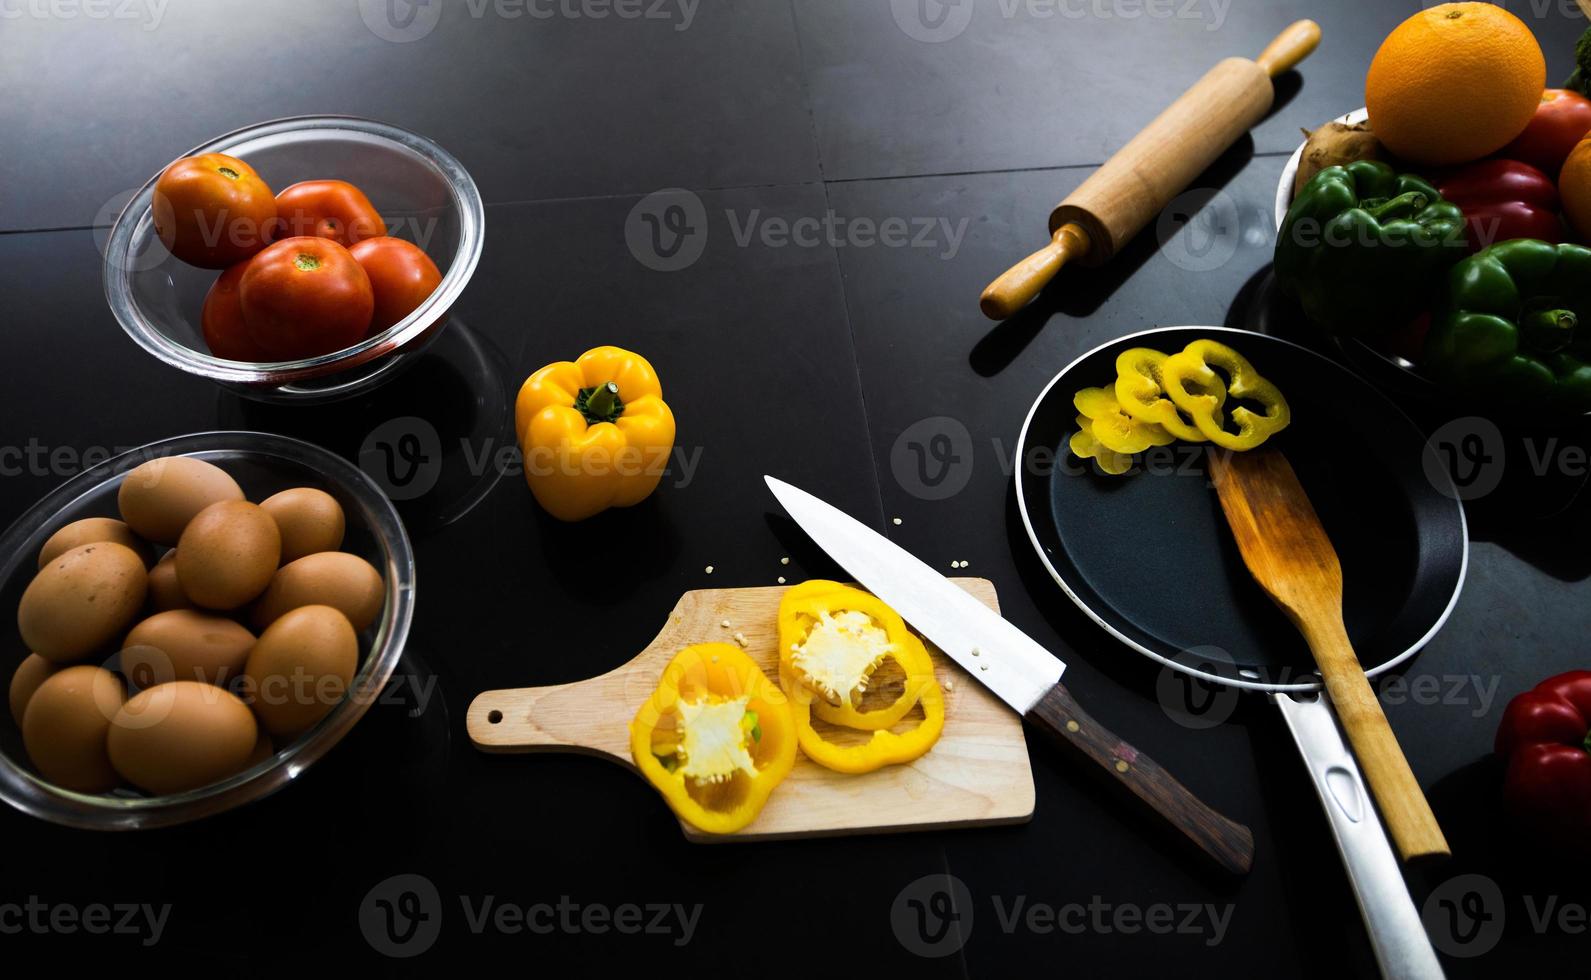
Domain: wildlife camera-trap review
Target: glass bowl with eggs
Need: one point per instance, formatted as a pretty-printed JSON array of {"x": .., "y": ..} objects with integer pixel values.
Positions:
[
  {"x": 354, "y": 184},
  {"x": 197, "y": 621}
]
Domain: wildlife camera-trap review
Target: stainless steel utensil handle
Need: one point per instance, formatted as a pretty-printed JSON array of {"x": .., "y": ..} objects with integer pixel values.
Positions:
[{"x": 1397, "y": 935}]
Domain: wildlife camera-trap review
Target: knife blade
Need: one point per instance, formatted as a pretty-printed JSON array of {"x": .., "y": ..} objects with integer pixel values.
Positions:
[{"x": 1011, "y": 664}]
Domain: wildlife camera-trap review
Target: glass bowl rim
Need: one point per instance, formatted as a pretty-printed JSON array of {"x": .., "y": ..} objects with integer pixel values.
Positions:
[
  {"x": 31, "y": 793},
  {"x": 466, "y": 200}
]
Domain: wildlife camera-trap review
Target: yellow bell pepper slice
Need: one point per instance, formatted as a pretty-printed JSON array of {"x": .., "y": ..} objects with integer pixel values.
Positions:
[
  {"x": 831, "y": 638},
  {"x": 1113, "y": 427},
  {"x": 849, "y": 634},
  {"x": 715, "y": 738},
  {"x": 1140, "y": 390},
  {"x": 1190, "y": 380},
  {"x": 594, "y": 432},
  {"x": 1085, "y": 446}
]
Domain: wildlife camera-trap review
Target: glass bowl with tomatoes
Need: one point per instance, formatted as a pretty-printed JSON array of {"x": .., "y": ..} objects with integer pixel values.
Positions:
[{"x": 296, "y": 277}]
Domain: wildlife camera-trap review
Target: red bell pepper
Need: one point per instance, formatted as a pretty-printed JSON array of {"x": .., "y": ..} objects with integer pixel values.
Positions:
[
  {"x": 1503, "y": 200},
  {"x": 1545, "y": 742}
]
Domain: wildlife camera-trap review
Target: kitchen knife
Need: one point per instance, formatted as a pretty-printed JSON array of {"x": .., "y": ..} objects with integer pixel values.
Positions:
[{"x": 1020, "y": 672}]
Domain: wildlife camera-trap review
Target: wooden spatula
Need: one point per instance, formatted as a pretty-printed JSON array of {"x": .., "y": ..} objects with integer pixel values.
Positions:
[{"x": 1289, "y": 555}]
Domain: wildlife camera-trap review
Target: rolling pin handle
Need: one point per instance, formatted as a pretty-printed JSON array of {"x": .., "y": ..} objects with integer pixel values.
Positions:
[
  {"x": 1291, "y": 46},
  {"x": 1017, "y": 286}
]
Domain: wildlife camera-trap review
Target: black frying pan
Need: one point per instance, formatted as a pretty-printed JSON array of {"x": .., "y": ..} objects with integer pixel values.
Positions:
[{"x": 1149, "y": 557}]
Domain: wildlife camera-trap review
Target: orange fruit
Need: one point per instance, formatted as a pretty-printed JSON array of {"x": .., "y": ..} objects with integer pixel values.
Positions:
[
  {"x": 1574, "y": 188},
  {"x": 1454, "y": 83}
]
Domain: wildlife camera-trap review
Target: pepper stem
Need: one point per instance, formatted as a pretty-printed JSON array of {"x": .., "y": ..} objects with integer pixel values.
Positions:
[
  {"x": 1587, "y": 743},
  {"x": 1401, "y": 206},
  {"x": 1549, "y": 330},
  {"x": 600, "y": 404}
]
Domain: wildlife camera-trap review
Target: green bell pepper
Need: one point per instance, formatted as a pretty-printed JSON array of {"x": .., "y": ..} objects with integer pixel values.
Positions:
[
  {"x": 1509, "y": 326},
  {"x": 1362, "y": 247}
]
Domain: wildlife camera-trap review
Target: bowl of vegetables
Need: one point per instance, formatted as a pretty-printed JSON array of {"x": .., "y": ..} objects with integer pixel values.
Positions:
[
  {"x": 1448, "y": 264},
  {"x": 298, "y": 260}
]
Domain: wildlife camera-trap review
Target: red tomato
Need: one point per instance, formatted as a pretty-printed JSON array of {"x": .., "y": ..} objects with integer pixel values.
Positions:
[
  {"x": 1562, "y": 119},
  {"x": 305, "y": 296},
  {"x": 212, "y": 210},
  {"x": 332, "y": 209},
  {"x": 401, "y": 276},
  {"x": 222, "y": 319}
]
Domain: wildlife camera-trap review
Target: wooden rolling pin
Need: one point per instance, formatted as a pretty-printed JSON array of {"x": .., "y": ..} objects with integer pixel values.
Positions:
[{"x": 1133, "y": 186}]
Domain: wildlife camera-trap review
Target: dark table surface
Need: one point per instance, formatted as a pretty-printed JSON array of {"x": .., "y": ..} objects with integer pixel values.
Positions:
[{"x": 822, "y": 361}]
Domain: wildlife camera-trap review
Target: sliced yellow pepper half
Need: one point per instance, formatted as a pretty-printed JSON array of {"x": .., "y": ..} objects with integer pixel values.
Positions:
[
  {"x": 1190, "y": 380},
  {"x": 832, "y": 638},
  {"x": 1114, "y": 428},
  {"x": 715, "y": 738},
  {"x": 1140, "y": 390}
]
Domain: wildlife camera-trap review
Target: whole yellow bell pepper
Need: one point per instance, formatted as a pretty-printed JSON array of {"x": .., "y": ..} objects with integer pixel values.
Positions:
[
  {"x": 595, "y": 433},
  {"x": 715, "y": 738}
]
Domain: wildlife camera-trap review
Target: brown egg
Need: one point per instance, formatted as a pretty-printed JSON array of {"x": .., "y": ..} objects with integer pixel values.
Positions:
[
  {"x": 65, "y": 725},
  {"x": 159, "y": 498},
  {"x": 345, "y": 582},
  {"x": 181, "y": 736},
  {"x": 165, "y": 592},
  {"x": 30, "y": 674},
  {"x": 92, "y": 529},
  {"x": 300, "y": 668},
  {"x": 310, "y": 520},
  {"x": 227, "y": 554},
  {"x": 82, "y": 601},
  {"x": 185, "y": 645},
  {"x": 263, "y": 749}
]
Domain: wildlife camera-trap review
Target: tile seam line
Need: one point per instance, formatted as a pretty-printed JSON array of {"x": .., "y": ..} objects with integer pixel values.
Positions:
[
  {"x": 839, "y": 276},
  {"x": 718, "y": 188}
]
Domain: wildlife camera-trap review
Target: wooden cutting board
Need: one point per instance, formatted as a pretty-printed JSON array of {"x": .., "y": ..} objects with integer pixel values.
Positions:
[{"x": 976, "y": 775}]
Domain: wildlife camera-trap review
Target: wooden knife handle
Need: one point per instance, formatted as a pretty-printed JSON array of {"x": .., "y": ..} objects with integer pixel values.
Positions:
[
  {"x": 1230, "y": 844},
  {"x": 1397, "y": 793}
]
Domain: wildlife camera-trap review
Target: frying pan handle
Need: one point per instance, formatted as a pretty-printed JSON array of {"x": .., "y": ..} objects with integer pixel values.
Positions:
[
  {"x": 1396, "y": 933},
  {"x": 1230, "y": 844}
]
